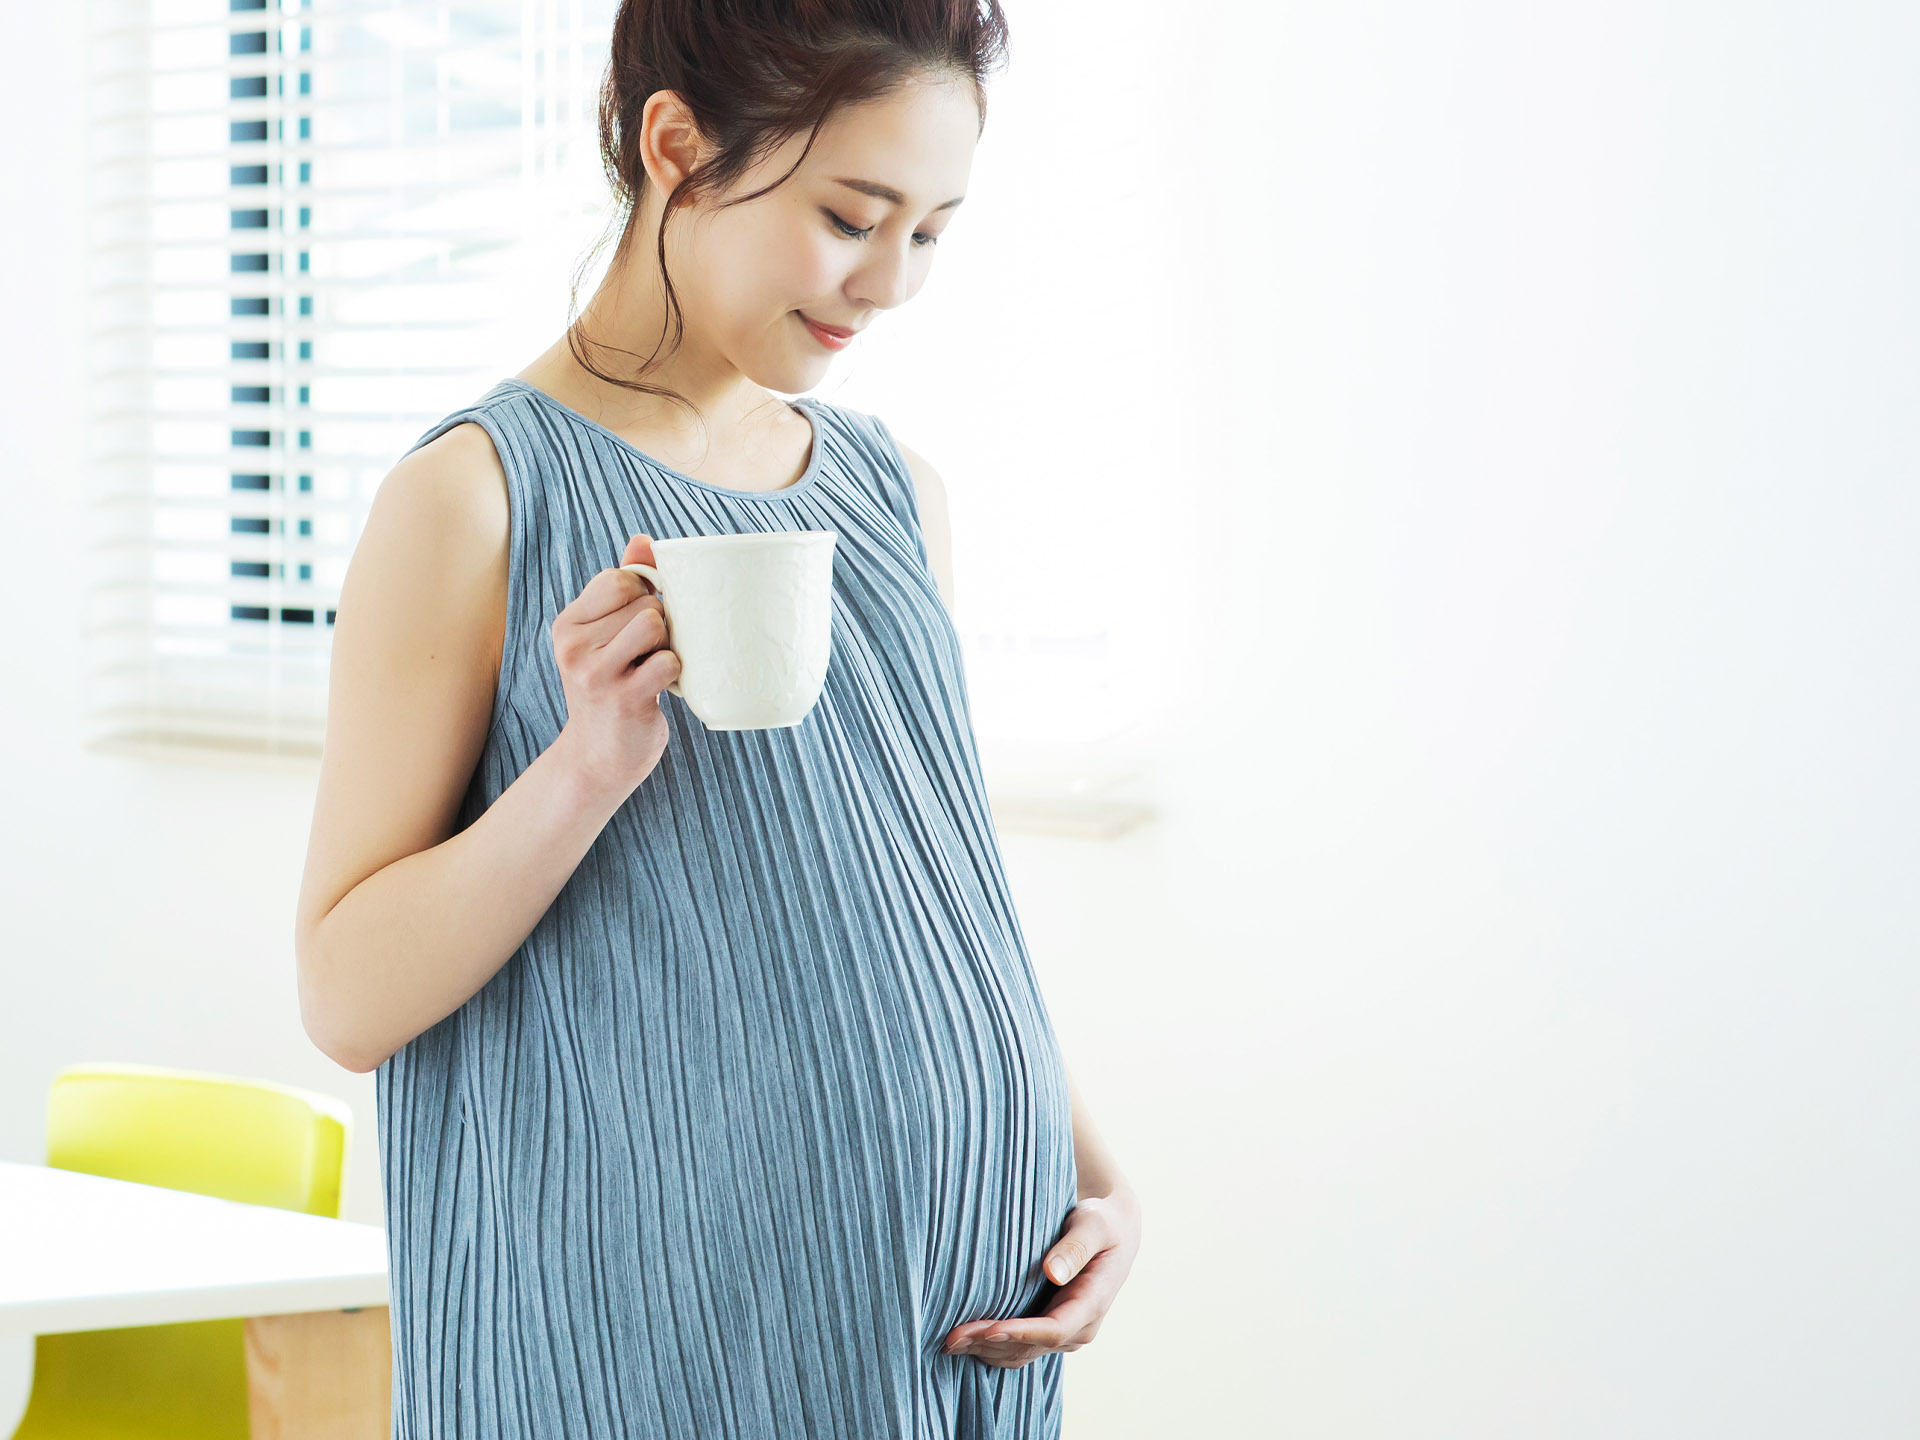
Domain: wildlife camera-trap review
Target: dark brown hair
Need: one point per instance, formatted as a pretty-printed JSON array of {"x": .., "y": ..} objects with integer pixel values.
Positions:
[{"x": 754, "y": 73}]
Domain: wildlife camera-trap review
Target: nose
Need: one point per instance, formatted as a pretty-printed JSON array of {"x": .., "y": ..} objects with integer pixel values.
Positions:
[{"x": 887, "y": 279}]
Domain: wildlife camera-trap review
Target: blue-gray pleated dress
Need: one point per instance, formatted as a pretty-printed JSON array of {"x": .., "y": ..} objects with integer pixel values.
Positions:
[{"x": 769, "y": 1100}]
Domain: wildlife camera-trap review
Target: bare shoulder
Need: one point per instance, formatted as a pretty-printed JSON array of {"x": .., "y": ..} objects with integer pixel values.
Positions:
[
  {"x": 438, "y": 526},
  {"x": 455, "y": 479},
  {"x": 930, "y": 496},
  {"x": 417, "y": 642},
  {"x": 433, "y": 551}
]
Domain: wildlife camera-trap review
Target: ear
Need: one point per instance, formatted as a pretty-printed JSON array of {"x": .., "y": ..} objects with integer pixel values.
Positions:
[{"x": 671, "y": 145}]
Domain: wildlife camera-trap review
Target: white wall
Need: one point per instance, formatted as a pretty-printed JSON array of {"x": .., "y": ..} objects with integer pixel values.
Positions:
[{"x": 1510, "y": 1024}]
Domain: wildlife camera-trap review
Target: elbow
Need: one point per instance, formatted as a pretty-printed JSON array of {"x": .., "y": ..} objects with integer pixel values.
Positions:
[
  {"x": 329, "y": 1039},
  {"x": 344, "y": 1056},
  {"x": 319, "y": 1016},
  {"x": 338, "y": 1048}
]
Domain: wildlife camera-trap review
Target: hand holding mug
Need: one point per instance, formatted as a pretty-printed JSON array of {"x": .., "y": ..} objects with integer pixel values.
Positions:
[{"x": 610, "y": 644}]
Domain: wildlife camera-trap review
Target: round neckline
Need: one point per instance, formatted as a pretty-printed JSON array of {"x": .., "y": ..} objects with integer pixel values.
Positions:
[{"x": 815, "y": 454}]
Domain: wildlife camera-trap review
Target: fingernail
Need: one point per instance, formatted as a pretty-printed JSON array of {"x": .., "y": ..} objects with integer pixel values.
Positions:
[{"x": 998, "y": 1335}]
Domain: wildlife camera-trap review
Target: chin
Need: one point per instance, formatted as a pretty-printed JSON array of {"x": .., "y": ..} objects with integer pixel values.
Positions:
[{"x": 788, "y": 378}]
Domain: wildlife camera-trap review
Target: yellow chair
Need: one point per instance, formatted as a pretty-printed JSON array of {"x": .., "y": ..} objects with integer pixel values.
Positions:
[{"x": 246, "y": 1140}]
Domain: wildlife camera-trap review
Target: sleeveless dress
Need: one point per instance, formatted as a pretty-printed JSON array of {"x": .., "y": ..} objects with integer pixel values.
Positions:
[{"x": 768, "y": 1101}]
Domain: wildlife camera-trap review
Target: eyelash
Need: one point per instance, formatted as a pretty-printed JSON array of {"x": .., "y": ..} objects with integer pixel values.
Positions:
[{"x": 853, "y": 234}]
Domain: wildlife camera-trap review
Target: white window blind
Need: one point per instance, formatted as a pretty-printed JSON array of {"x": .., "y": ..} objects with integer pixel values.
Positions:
[
  {"x": 318, "y": 228},
  {"x": 312, "y": 225}
]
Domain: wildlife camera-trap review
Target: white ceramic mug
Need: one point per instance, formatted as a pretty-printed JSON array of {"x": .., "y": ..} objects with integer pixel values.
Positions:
[{"x": 751, "y": 618}]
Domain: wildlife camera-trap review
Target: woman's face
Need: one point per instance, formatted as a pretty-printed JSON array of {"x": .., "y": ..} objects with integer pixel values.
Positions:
[{"x": 827, "y": 243}]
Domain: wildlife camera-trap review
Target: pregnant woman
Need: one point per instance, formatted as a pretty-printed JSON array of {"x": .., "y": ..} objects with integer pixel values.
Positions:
[{"x": 716, "y": 1096}]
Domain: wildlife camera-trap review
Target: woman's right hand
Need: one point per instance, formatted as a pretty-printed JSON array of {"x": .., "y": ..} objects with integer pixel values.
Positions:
[{"x": 614, "y": 722}]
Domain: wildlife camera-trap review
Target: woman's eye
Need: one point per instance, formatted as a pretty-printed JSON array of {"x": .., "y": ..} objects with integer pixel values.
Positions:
[{"x": 921, "y": 238}]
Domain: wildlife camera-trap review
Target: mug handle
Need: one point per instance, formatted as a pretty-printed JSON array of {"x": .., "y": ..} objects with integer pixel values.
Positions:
[{"x": 652, "y": 577}]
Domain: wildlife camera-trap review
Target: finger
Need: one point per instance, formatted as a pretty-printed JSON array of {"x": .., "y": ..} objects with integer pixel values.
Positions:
[
  {"x": 657, "y": 671},
  {"x": 962, "y": 1336},
  {"x": 1072, "y": 1250},
  {"x": 603, "y": 595},
  {"x": 1053, "y": 1330},
  {"x": 1089, "y": 1230},
  {"x": 591, "y": 635},
  {"x": 971, "y": 1338},
  {"x": 643, "y": 635},
  {"x": 1010, "y": 1358},
  {"x": 1010, "y": 1354},
  {"x": 595, "y": 644},
  {"x": 984, "y": 1348},
  {"x": 1091, "y": 1285},
  {"x": 639, "y": 551},
  {"x": 1078, "y": 1305}
]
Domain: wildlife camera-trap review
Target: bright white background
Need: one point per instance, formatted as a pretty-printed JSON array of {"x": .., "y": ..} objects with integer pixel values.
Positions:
[{"x": 1510, "y": 1025}]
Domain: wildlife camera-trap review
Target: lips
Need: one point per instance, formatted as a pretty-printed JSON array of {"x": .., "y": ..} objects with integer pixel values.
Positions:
[{"x": 841, "y": 332}]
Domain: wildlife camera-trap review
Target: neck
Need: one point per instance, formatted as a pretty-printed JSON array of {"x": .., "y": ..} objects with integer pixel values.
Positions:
[{"x": 624, "y": 323}]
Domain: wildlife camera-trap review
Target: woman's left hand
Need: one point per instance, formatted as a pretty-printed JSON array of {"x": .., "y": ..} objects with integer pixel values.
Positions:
[{"x": 1089, "y": 1262}]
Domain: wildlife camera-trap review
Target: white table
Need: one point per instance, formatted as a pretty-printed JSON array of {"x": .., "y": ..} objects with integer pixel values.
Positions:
[{"x": 82, "y": 1252}]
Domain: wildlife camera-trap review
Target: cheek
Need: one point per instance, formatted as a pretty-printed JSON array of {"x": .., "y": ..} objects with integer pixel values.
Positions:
[
  {"x": 805, "y": 261},
  {"x": 740, "y": 271},
  {"x": 812, "y": 266},
  {"x": 753, "y": 274}
]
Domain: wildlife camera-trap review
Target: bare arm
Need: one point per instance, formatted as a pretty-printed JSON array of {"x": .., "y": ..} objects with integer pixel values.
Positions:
[
  {"x": 1099, "y": 1172},
  {"x": 400, "y": 920},
  {"x": 930, "y": 497}
]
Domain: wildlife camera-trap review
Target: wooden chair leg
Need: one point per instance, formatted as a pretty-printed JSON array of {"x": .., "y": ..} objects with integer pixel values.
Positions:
[{"x": 327, "y": 1375}]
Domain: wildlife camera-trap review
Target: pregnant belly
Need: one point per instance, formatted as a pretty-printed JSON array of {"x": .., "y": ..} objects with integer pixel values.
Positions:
[
  {"x": 839, "y": 1154},
  {"x": 996, "y": 1144}
]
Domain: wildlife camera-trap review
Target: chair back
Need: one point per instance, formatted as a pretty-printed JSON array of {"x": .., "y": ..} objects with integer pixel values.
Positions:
[{"x": 249, "y": 1140}]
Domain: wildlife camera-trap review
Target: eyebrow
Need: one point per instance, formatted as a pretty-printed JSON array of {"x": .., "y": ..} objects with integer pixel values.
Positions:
[{"x": 887, "y": 192}]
